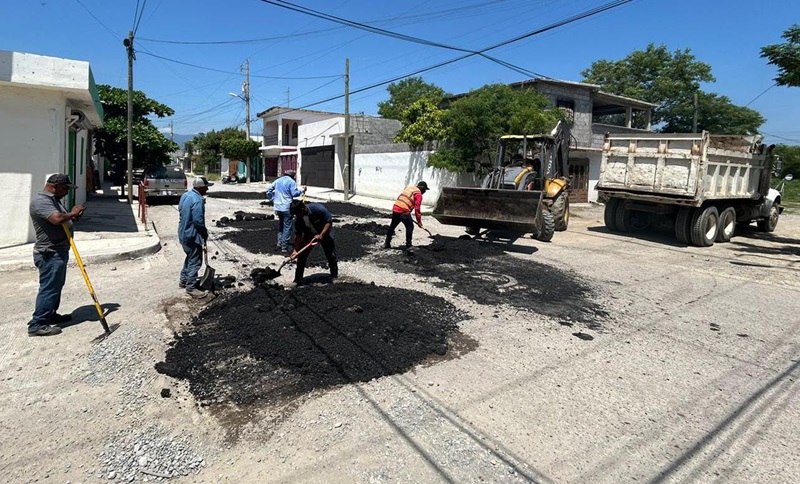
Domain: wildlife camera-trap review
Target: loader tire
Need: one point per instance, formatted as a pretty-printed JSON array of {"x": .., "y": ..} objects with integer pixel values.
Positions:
[
  {"x": 560, "y": 211},
  {"x": 610, "y": 214},
  {"x": 548, "y": 227}
]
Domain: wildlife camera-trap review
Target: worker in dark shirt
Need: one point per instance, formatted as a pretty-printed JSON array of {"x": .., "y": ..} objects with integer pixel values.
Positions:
[{"x": 313, "y": 223}]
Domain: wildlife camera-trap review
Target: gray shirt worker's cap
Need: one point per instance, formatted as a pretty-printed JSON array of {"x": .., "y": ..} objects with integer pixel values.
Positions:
[
  {"x": 60, "y": 179},
  {"x": 200, "y": 182}
]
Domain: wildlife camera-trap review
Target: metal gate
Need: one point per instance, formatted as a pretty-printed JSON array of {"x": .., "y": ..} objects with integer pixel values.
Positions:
[
  {"x": 318, "y": 166},
  {"x": 579, "y": 174},
  {"x": 271, "y": 166}
]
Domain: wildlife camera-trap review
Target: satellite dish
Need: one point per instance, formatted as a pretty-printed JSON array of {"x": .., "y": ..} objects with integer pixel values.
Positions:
[{"x": 789, "y": 177}]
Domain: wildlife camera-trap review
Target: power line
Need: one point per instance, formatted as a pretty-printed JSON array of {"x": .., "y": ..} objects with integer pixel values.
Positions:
[
  {"x": 762, "y": 93},
  {"x": 138, "y": 21},
  {"x": 114, "y": 34},
  {"x": 236, "y": 73},
  {"x": 781, "y": 137}
]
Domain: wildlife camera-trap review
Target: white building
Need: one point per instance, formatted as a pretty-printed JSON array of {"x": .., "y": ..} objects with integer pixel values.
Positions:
[{"x": 48, "y": 105}]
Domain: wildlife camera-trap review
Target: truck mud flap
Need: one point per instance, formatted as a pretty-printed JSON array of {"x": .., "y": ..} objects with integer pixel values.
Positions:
[{"x": 485, "y": 208}]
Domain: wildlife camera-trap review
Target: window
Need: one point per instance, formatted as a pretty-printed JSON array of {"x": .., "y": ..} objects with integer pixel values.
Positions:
[
  {"x": 294, "y": 131},
  {"x": 568, "y": 107}
]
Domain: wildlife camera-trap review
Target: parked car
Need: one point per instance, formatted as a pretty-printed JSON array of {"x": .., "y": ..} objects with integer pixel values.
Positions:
[{"x": 164, "y": 181}]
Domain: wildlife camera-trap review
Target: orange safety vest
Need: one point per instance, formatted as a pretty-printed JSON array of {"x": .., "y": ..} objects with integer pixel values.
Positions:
[{"x": 406, "y": 199}]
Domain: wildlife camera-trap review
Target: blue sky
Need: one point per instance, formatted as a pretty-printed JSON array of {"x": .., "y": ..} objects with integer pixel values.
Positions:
[{"x": 305, "y": 56}]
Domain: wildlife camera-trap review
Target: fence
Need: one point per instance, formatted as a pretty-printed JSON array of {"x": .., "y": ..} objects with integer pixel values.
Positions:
[{"x": 142, "y": 205}]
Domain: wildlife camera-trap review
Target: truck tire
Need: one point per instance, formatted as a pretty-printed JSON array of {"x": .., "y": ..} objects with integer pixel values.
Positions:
[
  {"x": 560, "y": 211},
  {"x": 682, "y": 222},
  {"x": 769, "y": 223},
  {"x": 623, "y": 218},
  {"x": 610, "y": 214},
  {"x": 548, "y": 227},
  {"x": 727, "y": 224},
  {"x": 705, "y": 225}
]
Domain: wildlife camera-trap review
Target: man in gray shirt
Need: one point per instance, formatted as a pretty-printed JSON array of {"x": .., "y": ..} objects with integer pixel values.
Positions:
[{"x": 51, "y": 253}]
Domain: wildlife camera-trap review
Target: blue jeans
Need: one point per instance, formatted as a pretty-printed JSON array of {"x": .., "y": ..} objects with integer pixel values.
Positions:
[
  {"x": 52, "y": 276},
  {"x": 192, "y": 263},
  {"x": 285, "y": 229}
]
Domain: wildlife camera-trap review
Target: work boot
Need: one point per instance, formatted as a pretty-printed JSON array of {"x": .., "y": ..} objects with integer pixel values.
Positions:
[
  {"x": 45, "y": 330},
  {"x": 196, "y": 293},
  {"x": 182, "y": 285}
]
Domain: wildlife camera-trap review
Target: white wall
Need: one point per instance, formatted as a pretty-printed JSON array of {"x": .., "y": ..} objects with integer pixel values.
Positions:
[
  {"x": 385, "y": 175},
  {"x": 32, "y": 137}
]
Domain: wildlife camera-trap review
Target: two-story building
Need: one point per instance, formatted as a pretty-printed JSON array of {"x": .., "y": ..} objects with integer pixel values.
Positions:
[
  {"x": 589, "y": 109},
  {"x": 48, "y": 107},
  {"x": 313, "y": 143}
]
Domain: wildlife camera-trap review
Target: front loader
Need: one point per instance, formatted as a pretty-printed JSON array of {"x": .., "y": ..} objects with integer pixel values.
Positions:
[{"x": 526, "y": 192}]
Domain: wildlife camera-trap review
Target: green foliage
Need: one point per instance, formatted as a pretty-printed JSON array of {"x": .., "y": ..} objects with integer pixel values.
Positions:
[
  {"x": 477, "y": 120},
  {"x": 239, "y": 148},
  {"x": 210, "y": 146},
  {"x": 668, "y": 79},
  {"x": 791, "y": 159},
  {"x": 786, "y": 57},
  {"x": 716, "y": 114},
  {"x": 405, "y": 93},
  {"x": 150, "y": 146},
  {"x": 422, "y": 121}
]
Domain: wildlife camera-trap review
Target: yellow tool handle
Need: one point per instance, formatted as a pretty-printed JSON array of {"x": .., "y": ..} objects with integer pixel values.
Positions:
[{"x": 83, "y": 270}]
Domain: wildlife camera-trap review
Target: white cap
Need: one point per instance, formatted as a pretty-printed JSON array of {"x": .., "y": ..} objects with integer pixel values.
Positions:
[{"x": 200, "y": 182}]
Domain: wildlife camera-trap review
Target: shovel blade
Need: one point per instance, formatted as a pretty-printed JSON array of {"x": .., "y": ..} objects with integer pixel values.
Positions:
[{"x": 207, "y": 281}]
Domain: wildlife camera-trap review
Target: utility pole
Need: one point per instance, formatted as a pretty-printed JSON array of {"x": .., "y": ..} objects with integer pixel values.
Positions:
[
  {"x": 346, "y": 170},
  {"x": 171, "y": 132},
  {"x": 246, "y": 89},
  {"x": 288, "y": 98},
  {"x": 694, "y": 122},
  {"x": 128, "y": 43}
]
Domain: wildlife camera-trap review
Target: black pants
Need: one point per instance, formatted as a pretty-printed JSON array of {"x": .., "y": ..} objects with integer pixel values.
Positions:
[
  {"x": 328, "y": 246},
  {"x": 407, "y": 222}
]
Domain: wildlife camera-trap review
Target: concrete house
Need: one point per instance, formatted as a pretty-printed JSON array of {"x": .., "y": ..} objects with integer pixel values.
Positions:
[
  {"x": 312, "y": 142},
  {"x": 587, "y": 107},
  {"x": 48, "y": 106}
]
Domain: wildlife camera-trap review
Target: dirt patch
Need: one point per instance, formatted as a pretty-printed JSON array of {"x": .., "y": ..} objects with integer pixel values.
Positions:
[
  {"x": 271, "y": 346},
  {"x": 238, "y": 195},
  {"x": 484, "y": 273}
]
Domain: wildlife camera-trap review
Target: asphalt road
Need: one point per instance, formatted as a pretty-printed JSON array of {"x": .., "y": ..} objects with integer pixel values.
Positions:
[{"x": 690, "y": 374}]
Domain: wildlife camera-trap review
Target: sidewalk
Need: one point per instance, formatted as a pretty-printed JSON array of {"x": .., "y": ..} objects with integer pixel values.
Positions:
[{"x": 109, "y": 230}]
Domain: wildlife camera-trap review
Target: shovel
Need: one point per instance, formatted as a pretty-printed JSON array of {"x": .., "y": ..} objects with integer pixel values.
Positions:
[
  {"x": 207, "y": 281},
  {"x": 273, "y": 274}
]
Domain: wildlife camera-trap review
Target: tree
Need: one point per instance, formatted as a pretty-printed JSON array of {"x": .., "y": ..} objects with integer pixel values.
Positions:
[
  {"x": 477, "y": 120},
  {"x": 786, "y": 57},
  {"x": 791, "y": 159},
  {"x": 239, "y": 148},
  {"x": 150, "y": 146},
  {"x": 210, "y": 146},
  {"x": 716, "y": 114},
  {"x": 668, "y": 79},
  {"x": 405, "y": 93},
  {"x": 423, "y": 121}
]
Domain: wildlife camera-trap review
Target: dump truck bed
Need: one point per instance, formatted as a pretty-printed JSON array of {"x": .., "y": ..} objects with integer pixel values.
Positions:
[
  {"x": 486, "y": 208},
  {"x": 687, "y": 168}
]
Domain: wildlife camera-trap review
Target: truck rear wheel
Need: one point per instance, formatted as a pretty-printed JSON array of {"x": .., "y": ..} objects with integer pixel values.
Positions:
[
  {"x": 610, "y": 214},
  {"x": 560, "y": 211},
  {"x": 769, "y": 224},
  {"x": 682, "y": 225},
  {"x": 727, "y": 224},
  {"x": 705, "y": 225},
  {"x": 548, "y": 227}
]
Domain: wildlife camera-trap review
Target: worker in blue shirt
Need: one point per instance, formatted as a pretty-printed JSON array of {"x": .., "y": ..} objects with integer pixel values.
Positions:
[
  {"x": 192, "y": 233},
  {"x": 281, "y": 192}
]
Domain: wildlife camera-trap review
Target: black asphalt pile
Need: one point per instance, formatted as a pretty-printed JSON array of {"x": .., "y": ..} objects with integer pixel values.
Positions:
[
  {"x": 260, "y": 237},
  {"x": 270, "y": 346},
  {"x": 237, "y": 195},
  {"x": 376, "y": 229},
  {"x": 348, "y": 209},
  {"x": 241, "y": 219},
  {"x": 484, "y": 273}
]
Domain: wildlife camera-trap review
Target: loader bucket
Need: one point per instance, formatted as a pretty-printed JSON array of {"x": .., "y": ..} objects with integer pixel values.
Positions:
[{"x": 487, "y": 208}]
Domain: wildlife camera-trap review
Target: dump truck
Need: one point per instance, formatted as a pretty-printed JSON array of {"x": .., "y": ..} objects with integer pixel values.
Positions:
[
  {"x": 526, "y": 192},
  {"x": 698, "y": 184}
]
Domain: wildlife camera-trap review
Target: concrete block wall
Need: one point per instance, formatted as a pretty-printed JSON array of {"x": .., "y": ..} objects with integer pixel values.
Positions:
[{"x": 582, "y": 97}]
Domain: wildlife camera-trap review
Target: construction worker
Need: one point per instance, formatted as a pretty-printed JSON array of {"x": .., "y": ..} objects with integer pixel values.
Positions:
[
  {"x": 410, "y": 199},
  {"x": 313, "y": 223},
  {"x": 281, "y": 192}
]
